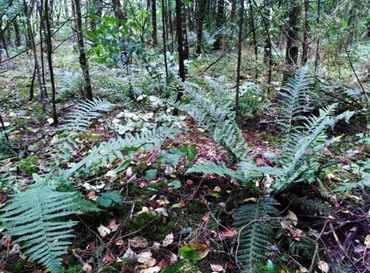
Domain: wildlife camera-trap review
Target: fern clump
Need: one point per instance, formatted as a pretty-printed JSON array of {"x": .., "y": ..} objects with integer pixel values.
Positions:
[
  {"x": 35, "y": 218},
  {"x": 255, "y": 228}
]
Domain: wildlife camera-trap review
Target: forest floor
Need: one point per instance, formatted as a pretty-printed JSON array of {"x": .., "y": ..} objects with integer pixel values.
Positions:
[{"x": 163, "y": 208}]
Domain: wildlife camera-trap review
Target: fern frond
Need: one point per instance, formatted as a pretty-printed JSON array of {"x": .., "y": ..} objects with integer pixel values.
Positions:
[
  {"x": 295, "y": 99},
  {"x": 217, "y": 117},
  {"x": 218, "y": 168},
  {"x": 109, "y": 151},
  {"x": 302, "y": 143},
  {"x": 255, "y": 228},
  {"x": 85, "y": 113},
  {"x": 34, "y": 217}
]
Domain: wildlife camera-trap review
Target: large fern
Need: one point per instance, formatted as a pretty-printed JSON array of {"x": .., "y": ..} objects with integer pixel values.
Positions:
[
  {"x": 35, "y": 219},
  {"x": 255, "y": 233},
  {"x": 216, "y": 115}
]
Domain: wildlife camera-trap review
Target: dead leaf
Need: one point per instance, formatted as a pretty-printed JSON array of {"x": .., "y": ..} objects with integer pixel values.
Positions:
[
  {"x": 146, "y": 259},
  {"x": 130, "y": 255},
  {"x": 87, "y": 268},
  {"x": 229, "y": 233},
  {"x": 168, "y": 240},
  {"x": 138, "y": 242},
  {"x": 323, "y": 266},
  {"x": 103, "y": 231},
  {"x": 154, "y": 269},
  {"x": 293, "y": 217},
  {"x": 367, "y": 241},
  {"x": 217, "y": 268}
]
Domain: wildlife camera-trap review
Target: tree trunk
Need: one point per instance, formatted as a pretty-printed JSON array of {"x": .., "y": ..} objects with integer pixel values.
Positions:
[
  {"x": 154, "y": 22},
  {"x": 17, "y": 34},
  {"x": 291, "y": 53},
  {"x": 240, "y": 40},
  {"x": 83, "y": 59},
  {"x": 305, "y": 44},
  {"x": 164, "y": 36},
  {"x": 254, "y": 37},
  {"x": 181, "y": 43},
  {"x": 201, "y": 5},
  {"x": 97, "y": 12},
  {"x": 50, "y": 61},
  {"x": 219, "y": 23},
  {"x": 317, "y": 54},
  {"x": 117, "y": 9},
  {"x": 27, "y": 13},
  {"x": 44, "y": 93}
]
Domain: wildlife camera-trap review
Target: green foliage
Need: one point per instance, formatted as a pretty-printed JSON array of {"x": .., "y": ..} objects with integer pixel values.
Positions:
[
  {"x": 219, "y": 168},
  {"x": 110, "y": 150},
  {"x": 35, "y": 218},
  {"x": 255, "y": 228},
  {"x": 29, "y": 165},
  {"x": 111, "y": 37},
  {"x": 295, "y": 98},
  {"x": 106, "y": 199},
  {"x": 215, "y": 114},
  {"x": 183, "y": 266},
  {"x": 84, "y": 113}
]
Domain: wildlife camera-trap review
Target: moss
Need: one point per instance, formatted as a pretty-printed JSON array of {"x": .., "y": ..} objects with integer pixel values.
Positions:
[
  {"x": 29, "y": 165},
  {"x": 109, "y": 269}
]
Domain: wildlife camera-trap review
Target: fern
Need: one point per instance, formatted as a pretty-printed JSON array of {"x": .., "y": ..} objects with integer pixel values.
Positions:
[
  {"x": 35, "y": 218},
  {"x": 109, "y": 151},
  {"x": 295, "y": 99},
  {"x": 255, "y": 228},
  {"x": 85, "y": 113},
  {"x": 215, "y": 114},
  {"x": 219, "y": 168}
]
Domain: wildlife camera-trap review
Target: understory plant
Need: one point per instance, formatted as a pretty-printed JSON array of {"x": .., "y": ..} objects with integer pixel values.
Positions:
[{"x": 305, "y": 139}]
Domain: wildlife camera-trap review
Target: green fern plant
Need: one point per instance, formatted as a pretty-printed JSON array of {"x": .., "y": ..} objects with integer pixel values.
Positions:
[
  {"x": 36, "y": 219},
  {"x": 255, "y": 233},
  {"x": 215, "y": 114}
]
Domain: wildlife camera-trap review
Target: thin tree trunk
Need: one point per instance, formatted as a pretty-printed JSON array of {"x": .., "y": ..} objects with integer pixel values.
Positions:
[
  {"x": 164, "y": 36},
  {"x": 201, "y": 5},
  {"x": 317, "y": 54},
  {"x": 50, "y": 62},
  {"x": 291, "y": 53},
  {"x": 181, "y": 43},
  {"x": 83, "y": 59},
  {"x": 219, "y": 23},
  {"x": 170, "y": 23},
  {"x": 154, "y": 22},
  {"x": 33, "y": 48},
  {"x": 44, "y": 94},
  {"x": 254, "y": 37},
  {"x": 240, "y": 40},
  {"x": 305, "y": 44},
  {"x": 17, "y": 34},
  {"x": 117, "y": 9}
]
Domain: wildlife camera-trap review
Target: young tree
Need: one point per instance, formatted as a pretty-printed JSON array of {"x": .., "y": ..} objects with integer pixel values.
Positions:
[
  {"x": 200, "y": 11},
  {"x": 292, "y": 28},
  {"x": 117, "y": 9},
  {"x": 240, "y": 41},
  {"x": 181, "y": 42},
  {"x": 305, "y": 43},
  {"x": 50, "y": 61},
  {"x": 154, "y": 21},
  {"x": 220, "y": 18},
  {"x": 164, "y": 37},
  {"x": 83, "y": 59}
]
